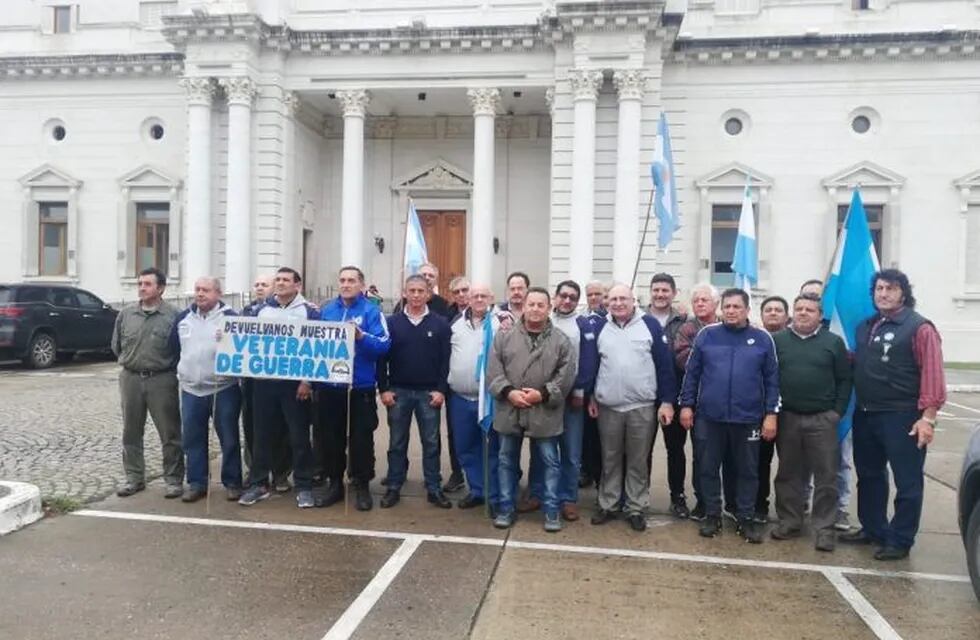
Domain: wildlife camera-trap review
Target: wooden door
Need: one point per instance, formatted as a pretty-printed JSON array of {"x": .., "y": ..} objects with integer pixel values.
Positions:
[{"x": 445, "y": 241}]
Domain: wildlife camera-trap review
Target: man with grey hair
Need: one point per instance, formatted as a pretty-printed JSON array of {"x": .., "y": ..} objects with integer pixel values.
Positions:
[
  {"x": 629, "y": 360},
  {"x": 459, "y": 289},
  {"x": 205, "y": 396}
]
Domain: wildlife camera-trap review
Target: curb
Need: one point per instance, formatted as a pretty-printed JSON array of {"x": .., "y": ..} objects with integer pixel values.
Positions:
[
  {"x": 20, "y": 507},
  {"x": 963, "y": 388}
]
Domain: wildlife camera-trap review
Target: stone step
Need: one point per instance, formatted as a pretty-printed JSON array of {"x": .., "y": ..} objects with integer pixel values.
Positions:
[{"x": 20, "y": 505}]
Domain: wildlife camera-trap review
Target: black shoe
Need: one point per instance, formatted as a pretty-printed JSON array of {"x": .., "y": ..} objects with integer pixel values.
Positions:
[
  {"x": 193, "y": 494},
  {"x": 679, "y": 510},
  {"x": 710, "y": 527},
  {"x": 439, "y": 499},
  {"x": 584, "y": 480},
  {"x": 362, "y": 499},
  {"x": 455, "y": 483},
  {"x": 749, "y": 530},
  {"x": 469, "y": 501},
  {"x": 333, "y": 494},
  {"x": 891, "y": 553},
  {"x": 698, "y": 513},
  {"x": 637, "y": 522},
  {"x": 389, "y": 499},
  {"x": 602, "y": 516},
  {"x": 856, "y": 537},
  {"x": 129, "y": 489}
]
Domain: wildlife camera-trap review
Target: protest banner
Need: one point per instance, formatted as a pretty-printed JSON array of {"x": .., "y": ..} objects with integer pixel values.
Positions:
[{"x": 286, "y": 350}]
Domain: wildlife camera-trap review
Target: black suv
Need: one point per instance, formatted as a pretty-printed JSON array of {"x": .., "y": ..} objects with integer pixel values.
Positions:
[
  {"x": 45, "y": 323},
  {"x": 969, "y": 508}
]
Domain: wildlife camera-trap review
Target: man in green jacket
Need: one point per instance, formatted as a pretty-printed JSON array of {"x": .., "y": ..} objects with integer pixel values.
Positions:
[
  {"x": 815, "y": 384},
  {"x": 530, "y": 374},
  {"x": 148, "y": 382}
]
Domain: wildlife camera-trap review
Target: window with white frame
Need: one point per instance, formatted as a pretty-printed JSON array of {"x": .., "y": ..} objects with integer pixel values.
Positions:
[
  {"x": 152, "y": 236},
  {"x": 875, "y": 214},
  {"x": 61, "y": 18},
  {"x": 149, "y": 224},
  {"x": 152, "y": 12},
  {"x": 724, "y": 232},
  {"x": 52, "y": 238},
  {"x": 972, "y": 249}
]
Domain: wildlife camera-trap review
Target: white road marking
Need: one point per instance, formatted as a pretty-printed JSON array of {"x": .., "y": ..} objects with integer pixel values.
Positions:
[
  {"x": 962, "y": 406},
  {"x": 351, "y": 619},
  {"x": 878, "y": 625},
  {"x": 517, "y": 544}
]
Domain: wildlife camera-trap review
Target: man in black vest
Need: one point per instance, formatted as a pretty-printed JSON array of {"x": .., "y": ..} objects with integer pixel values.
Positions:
[{"x": 899, "y": 383}]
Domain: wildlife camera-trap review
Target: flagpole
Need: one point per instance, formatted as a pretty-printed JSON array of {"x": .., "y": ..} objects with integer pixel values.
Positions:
[{"x": 643, "y": 238}]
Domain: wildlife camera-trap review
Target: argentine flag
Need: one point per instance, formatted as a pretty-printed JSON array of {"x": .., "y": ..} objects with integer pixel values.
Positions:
[
  {"x": 415, "y": 251},
  {"x": 485, "y": 401},
  {"x": 662, "y": 170},
  {"x": 847, "y": 298},
  {"x": 745, "y": 262}
]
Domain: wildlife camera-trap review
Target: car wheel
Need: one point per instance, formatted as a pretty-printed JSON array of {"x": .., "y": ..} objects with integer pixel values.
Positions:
[
  {"x": 973, "y": 548},
  {"x": 42, "y": 351}
]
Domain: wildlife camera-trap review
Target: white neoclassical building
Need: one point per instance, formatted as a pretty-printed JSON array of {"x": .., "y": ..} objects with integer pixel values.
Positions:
[{"x": 231, "y": 137}]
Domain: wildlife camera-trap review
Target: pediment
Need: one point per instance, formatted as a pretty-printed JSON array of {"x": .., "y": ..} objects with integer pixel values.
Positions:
[
  {"x": 864, "y": 174},
  {"x": 48, "y": 176},
  {"x": 969, "y": 181},
  {"x": 147, "y": 177},
  {"x": 733, "y": 175},
  {"x": 436, "y": 176}
]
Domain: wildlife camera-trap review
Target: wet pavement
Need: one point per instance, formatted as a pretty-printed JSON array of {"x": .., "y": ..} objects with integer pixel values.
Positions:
[{"x": 145, "y": 567}]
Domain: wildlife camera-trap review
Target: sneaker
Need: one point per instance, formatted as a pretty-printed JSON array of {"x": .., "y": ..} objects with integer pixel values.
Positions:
[
  {"x": 826, "y": 540},
  {"x": 455, "y": 483},
  {"x": 710, "y": 527},
  {"x": 552, "y": 523},
  {"x": 282, "y": 484},
  {"x": 129, "y": 489},
  {"x": 749, "y": 530},
  {"x": 698, "y": 512},
  {"x": 304, "y": 499},
  {"x": 173, "y": 491},
  {"x": 439, "y": 499},
  {"x": 637, "y": 522},
  {"x": 760, "y": 517},
  {"x": 232, "y": 494},
  {"x": 193, "y": 494},
  {"x": 333, "y": 494},
  {"x": 255, "y": 493},
  {"x": 843, "y": 522},
  {"x": 679, "y": 509},
  {"x": 504, "y": 520}
]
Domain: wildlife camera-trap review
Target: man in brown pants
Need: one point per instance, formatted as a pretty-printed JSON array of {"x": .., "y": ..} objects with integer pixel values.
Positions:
[
  {"x": 148, "y": 381},
  {"x": 815, "y": 385}
]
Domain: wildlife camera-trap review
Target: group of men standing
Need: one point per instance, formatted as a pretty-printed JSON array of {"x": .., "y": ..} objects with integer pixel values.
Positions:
[{"x": 589, "y": 389}]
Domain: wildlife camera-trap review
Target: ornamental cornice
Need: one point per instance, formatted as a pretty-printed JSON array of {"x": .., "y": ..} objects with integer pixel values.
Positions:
[
  {"x": 585, "y": 83},
  {"x": 630, "y": 15},
  {"x": 92, "y": 66},
  {"x": 199, "y": 90},
  {"x": 239, "y": 89},
  {"x": 180, "y": 30},
  {"x": 630, "y": 83},
  {"x": 354, "y": 102},
  {"x": 877, "y": 47},
  {"x": 291, "y": 103},
  {"x": 484, "y": 100}
]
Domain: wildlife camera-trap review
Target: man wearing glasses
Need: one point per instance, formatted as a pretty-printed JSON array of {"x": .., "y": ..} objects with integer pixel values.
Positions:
[{"x": 459, "y": 288}]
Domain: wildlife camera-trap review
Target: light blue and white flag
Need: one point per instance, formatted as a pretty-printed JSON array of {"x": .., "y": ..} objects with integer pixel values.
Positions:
[
  {"x": 847, "y": 298},
  {"x": 745, "y": 262},
  {"x": 485, "y": 401},
  {"x": 415, "y": 251},
  {"x": 665, "y": 199}
]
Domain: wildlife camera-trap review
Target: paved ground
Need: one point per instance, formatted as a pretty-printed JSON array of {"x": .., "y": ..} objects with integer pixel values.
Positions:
[{"x": 145, "y": 567}]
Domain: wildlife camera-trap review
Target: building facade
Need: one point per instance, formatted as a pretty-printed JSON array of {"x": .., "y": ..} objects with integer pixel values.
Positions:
[{"x": 231, "y": 137}]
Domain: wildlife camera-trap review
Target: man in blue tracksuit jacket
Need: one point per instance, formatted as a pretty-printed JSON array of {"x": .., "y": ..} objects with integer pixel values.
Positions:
[
  {"x": 732, "y": 385},
  {"x": 371, "y": 343}
]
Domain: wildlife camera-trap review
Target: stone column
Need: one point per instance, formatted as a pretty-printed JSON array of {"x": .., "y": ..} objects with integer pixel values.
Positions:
[
  {"x": 585, "y": 87},
  {"x": 240, "y": 92},
  {"x": 291, "y": 230},
  {"x": 354, "y": 104},
  {"x": 626, "y": 225},
  {"x": 198, "y": 249},
  {"x": 485, "y": 102}
]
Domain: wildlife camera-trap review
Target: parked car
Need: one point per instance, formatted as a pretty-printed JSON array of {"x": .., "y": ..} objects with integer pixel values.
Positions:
[
  {"x": 46, "y": 323},
  {"x": 969, "y": 501}
]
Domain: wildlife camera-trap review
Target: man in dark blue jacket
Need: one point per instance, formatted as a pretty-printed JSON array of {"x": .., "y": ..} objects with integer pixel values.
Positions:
[
  {"x": 412, "y": 379},
  {"x": 371, "y": 341},
  {"x": 732, "y": 385}
]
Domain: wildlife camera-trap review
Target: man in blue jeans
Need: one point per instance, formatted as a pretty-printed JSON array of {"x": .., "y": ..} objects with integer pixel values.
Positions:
[
  {"x": 204, "y": 395},
  {"x": 531, "y": 372},
  {"x": 477, "y": 451},
  {"x": 412, "y": 380}
]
